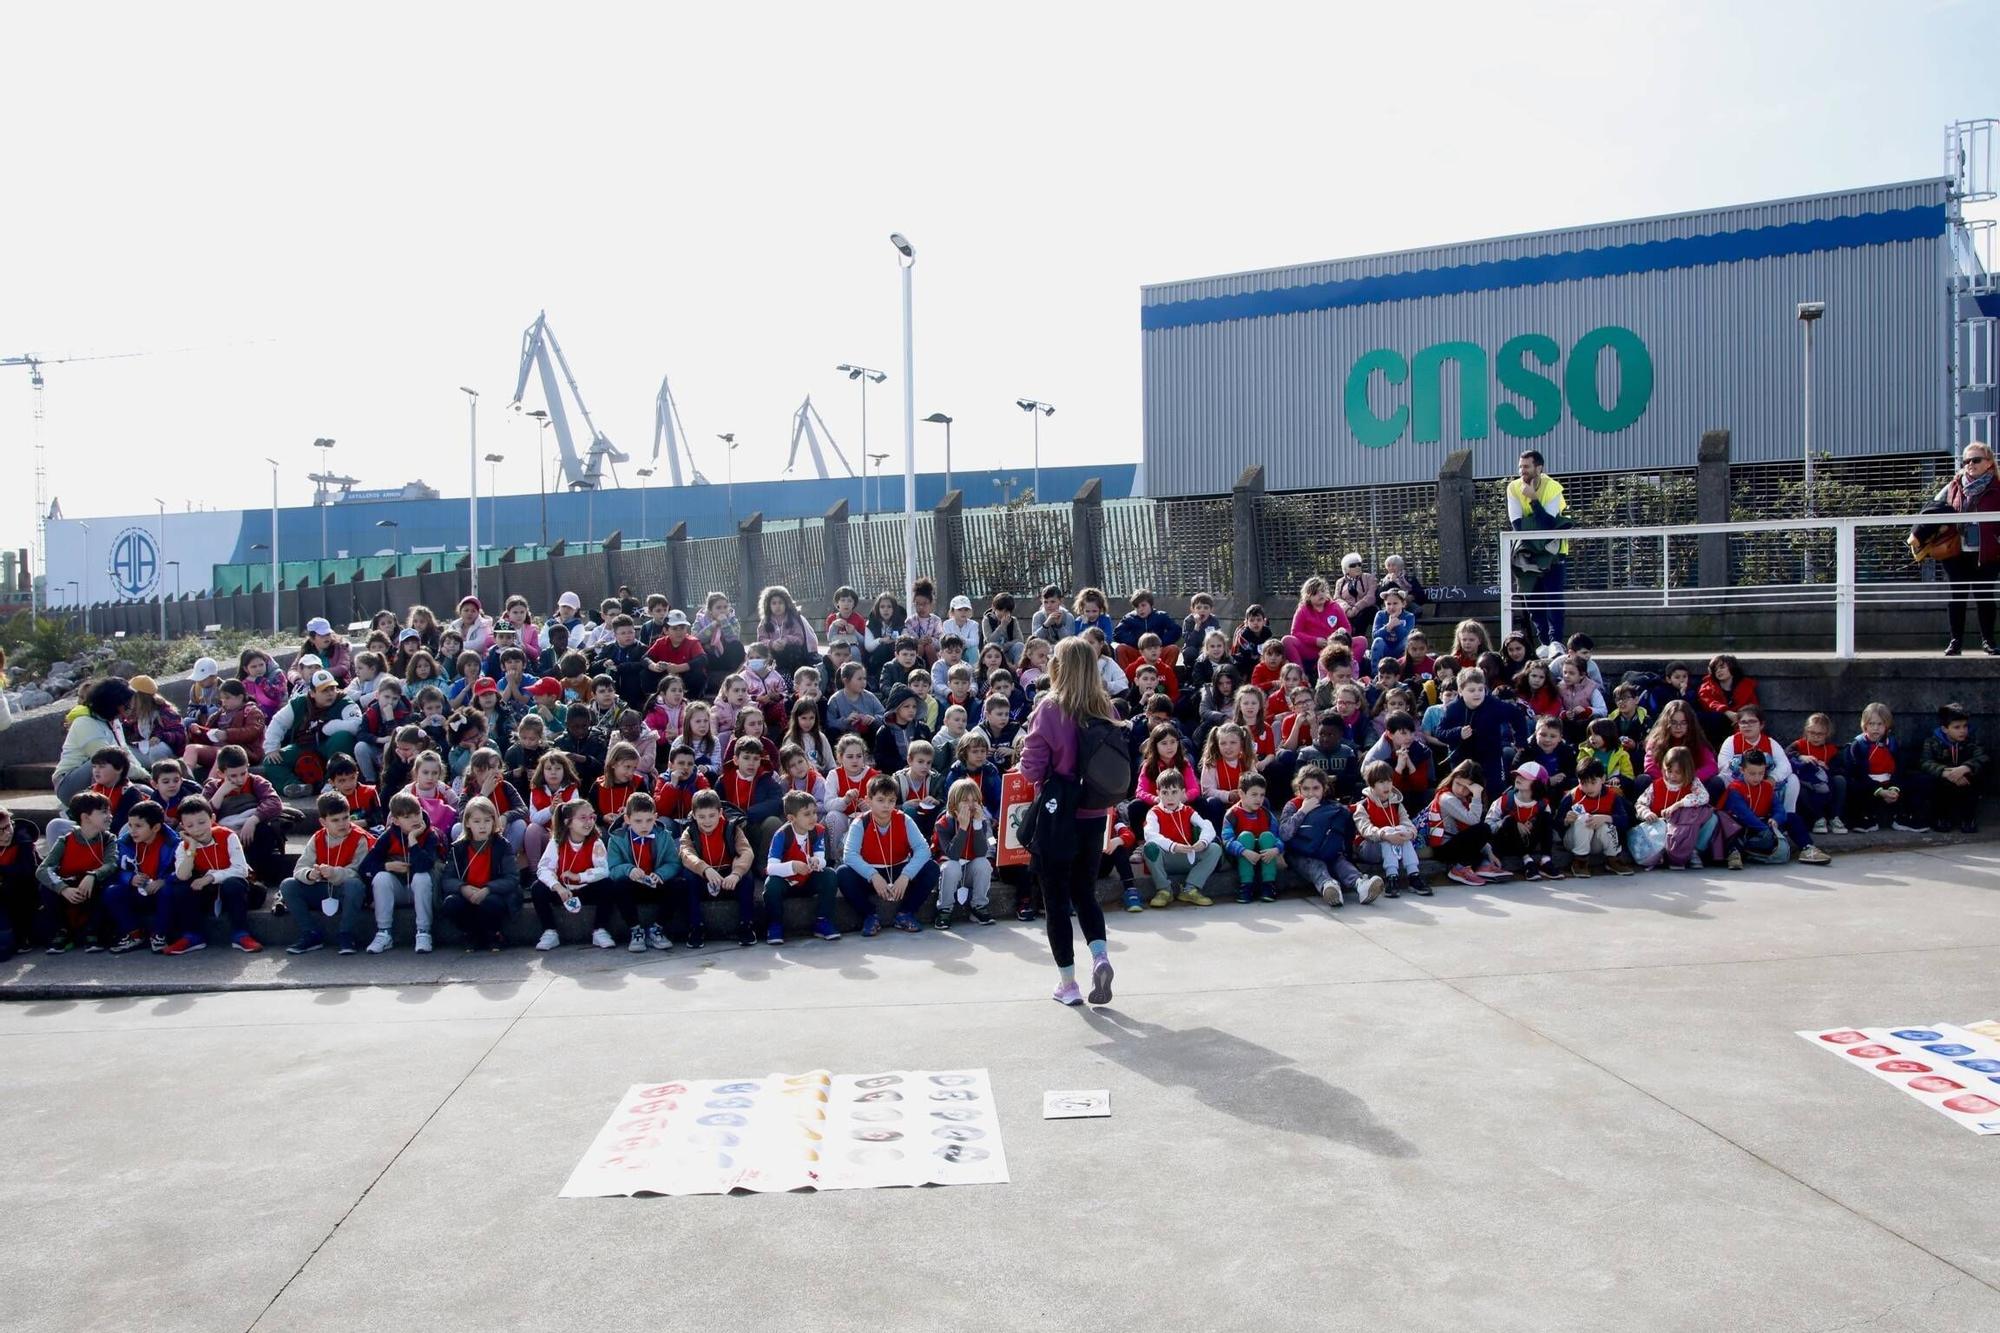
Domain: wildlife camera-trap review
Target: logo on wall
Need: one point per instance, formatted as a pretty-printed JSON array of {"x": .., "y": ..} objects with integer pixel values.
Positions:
[{"x": 135, "y": 563}]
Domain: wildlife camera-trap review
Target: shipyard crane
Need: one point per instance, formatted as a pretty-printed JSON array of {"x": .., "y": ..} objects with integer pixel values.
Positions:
[
  {"x": 540, "y": 352},
  {"x": 667, "y": 428},
  {"x": 808, "y": 425}
]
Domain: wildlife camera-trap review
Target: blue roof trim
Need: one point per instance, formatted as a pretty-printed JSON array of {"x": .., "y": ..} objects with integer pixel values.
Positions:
[{"x": 1791, "y": 238}]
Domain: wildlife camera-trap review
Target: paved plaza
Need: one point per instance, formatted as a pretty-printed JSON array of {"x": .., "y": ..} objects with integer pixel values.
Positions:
[{"x": 1536, "y": 1107}]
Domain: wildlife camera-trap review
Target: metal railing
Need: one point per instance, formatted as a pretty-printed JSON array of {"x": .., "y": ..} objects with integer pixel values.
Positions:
[{"x": 1844, "y": 564}]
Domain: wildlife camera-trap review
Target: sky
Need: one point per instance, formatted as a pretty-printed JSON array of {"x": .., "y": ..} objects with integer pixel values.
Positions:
[{"x": 347, "y": 212}]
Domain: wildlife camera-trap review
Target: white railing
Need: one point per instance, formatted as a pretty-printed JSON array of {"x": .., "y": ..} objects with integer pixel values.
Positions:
[{"x": 1842, "y": 588}]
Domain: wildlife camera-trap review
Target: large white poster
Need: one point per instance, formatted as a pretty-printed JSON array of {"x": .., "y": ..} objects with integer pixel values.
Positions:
[
  {"x": 1953, "y": 1071},
  {"x": 797, "y": 1131}
]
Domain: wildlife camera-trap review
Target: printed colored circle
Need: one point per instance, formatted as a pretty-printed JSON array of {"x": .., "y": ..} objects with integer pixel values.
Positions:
[
  {"x": 1842, "y": 1038},
  {"x": 954, "y": 1095},
  {"x": 1916, "y": 1034},
  {"x": 1980, "y": 1066},
  {"x": 889, "y": 1095},
  {"x": 1872, "y": 1052},
  {"x": 962, "y": 1152},
  {"x": 729, "y": 1104},
  {"x": 878, "y": 1135},
  {"x": 723, "y": 1118},
  {"x": 879, "y": 1081},
  {"x": 957, "y": 1113},
  {"x": 736, "y": 1087},
  {"x": 1973, "y": 1104},
  {"x": 1936, "y": 1083},
  {"x": 1903, "y": 1067},
  {"x": 877, "y": 1113},
  {"x": 951, "y": 1080},
  {"x": 958, "y": 1133},
  {"x": 1949, "y": 1048}
]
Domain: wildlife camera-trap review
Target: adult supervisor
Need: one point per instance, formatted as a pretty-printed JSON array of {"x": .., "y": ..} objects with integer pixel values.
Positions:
[
  {"x": 1075, "y": 695},
  {"x": 1535, "y": 504},
  {"x": 1974, "y": 570}
]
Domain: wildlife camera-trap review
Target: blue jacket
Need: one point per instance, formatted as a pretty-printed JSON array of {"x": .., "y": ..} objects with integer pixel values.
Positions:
[
  {"x": 425, "y": 854},
  {"x": 1326, "y": 834},
  {"x": 1158, "y": 622},
  {"x": 988, "y": 778},
  {"x": 1495, "y": 726},
  {"x": 128, "y": 856},
  {"x": 1393, "y": 636},
  {"x": 1857, "y": 753}
]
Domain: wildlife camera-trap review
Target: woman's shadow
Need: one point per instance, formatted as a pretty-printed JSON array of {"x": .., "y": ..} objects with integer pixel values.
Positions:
[{"x": 1245, "y": 1081}]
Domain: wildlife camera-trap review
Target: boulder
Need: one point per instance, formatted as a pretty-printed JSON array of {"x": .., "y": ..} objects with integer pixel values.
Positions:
[{"x": 31, "y": 698}]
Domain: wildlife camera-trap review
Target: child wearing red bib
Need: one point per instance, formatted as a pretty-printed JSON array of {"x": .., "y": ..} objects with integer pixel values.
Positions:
[
  {"x": 574, "y": 872},
  {"x": 209, "y": 867},
  {"x": 328, "y": 875}
]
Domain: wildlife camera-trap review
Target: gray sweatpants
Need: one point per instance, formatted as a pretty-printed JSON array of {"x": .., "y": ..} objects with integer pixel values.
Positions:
[
  {"x": 389, "y": 889},
  {"x": 1318, "y": 874}
]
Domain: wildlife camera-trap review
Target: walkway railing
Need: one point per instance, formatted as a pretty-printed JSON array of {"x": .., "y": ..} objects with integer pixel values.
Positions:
[{"x": 1807, "y": 564}]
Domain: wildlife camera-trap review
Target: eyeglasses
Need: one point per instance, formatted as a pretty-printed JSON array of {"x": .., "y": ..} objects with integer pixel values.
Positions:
[{"x": 1970, "y": 459}]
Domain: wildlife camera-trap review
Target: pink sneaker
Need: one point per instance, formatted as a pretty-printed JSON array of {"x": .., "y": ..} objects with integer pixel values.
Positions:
[
  {"x": 1465, "y": 875},
  {"x": 1067, "y": 993},
  {"x": 1494, "y": 873}
]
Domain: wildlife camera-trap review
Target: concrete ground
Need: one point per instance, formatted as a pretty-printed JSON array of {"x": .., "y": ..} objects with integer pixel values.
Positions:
[{"x": 1577, "y": 1106}]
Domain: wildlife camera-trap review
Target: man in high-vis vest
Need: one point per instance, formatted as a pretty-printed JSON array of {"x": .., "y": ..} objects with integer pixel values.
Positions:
[{"x": 1535, "y": 503}]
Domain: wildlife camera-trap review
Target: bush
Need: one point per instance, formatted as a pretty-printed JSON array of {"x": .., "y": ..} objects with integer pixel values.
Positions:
[{"x": 33, "y": 645}]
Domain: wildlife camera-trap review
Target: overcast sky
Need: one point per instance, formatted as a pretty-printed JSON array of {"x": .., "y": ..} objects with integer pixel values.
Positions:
[{"x": 351, "y": 210}]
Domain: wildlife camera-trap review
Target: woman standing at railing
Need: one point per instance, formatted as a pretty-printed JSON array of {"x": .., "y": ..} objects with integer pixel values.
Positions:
[{"x": 1975, "y": 570}]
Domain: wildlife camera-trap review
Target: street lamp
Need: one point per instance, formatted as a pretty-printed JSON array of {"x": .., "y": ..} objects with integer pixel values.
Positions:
[
  {"x": 906, "y": 259},
  {"x": 275, "y": 629},
  {"x": 729, "y": 471},
  {"x": 325, "y": 472},
  {"x": 542, "y": 468},
  {"x": 1810, "y": 313},
  {"x": 878, "y": 459},
  {"x": 395, "y": 547},
  {"x": 76, "y": 598},
  {"x": 940, "y": 419},
  {"x": 1031, "y": 407},
  {"x": 158, "y": 556},
  {"x": 493, "y": 497},
  {"x": 175, "y": 565},
  {"x": 866, "y": 377},
  {"x": 86, "y": 572},
  {"x": 472, "y": 500},
  {"x": 646, "y": 476}
]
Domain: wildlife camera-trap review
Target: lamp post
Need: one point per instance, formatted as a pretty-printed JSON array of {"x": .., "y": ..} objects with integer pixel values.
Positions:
[
  {"x": 878, "y": 459},
  {"x": 866, "y": 377},
  {"x": 76, "y": 598},
  {"x": 175, "y": 565},
  {"x": 325, "y": 470},
  {"x": 1810, "y": 313},
  {"x": 395, "y": 547},
  {"x": 275, "y": 630},
  {"x": 1036, "y": 411},
  {"x": 729, "y": 472},
  {"x": 85, "y": 586},
  {"x": 493, "y": 497},
  {"x": 158, "y": 558},
  {"x": 542, "y": 468},
  {"x": 646, "y": 479},
  {"x": 906, "y": 259},
  {"x": 472, "y": 500},
  {"x": 940, "y": 419}
]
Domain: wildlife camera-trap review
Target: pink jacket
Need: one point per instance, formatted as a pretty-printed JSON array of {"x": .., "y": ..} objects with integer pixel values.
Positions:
[
  {"x": 1316, "y": 627},
  {"x": 1192, "y": 784}
]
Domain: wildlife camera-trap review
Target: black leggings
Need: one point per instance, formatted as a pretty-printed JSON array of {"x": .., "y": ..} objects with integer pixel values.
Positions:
[
  {"x": 1971, "y": 581},
  {"x": 1074, "y": 884}
]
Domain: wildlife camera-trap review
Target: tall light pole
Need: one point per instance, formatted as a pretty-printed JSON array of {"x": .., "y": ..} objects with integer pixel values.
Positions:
[
  {"x": 542, "y": 468},
  {"x": 729, "y": 471},
  {"x": 275, "y": 629},
  {"x": 493, "y": 462},
  {"x": 325, "y": 471},
  {"x": 866, "y": 376},
  {"x": 175, "y": 565},
  {"x": 85, "y": 586},
  {"x": 1809, "y": 315},
  {"x": 646, "y": 484},
  {"x": 906, "y": 259},
  {"x": 395, "y": 546},
  {"x": 1036, "y": 411},
  {"x": 158, "y": 557},
  {"x": 472, "y": 499},
  {"x": 940, "y": 419}
]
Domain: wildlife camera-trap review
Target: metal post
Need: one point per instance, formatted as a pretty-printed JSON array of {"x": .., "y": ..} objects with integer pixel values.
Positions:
[
  {"x": 160, "y": 563},
  {"x": 947, "y": 457},
  {"x": 1666, "y": 594},
  {"x": 276, "y": 629},
  {"x": 472, "y": 500},
  {"x": 1808, "y": 418},
  {"x": 865, "y": 508},
  {"x": 1843, "y": 608},
  {"x": 1506, "y": 587},
  {"x": 909, "y": 264},
  {"x": 1038, "y": 454},
  {"x": 83, "y": 586}
]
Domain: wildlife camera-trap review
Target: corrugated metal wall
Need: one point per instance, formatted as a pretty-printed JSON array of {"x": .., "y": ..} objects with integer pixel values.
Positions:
[{"x": 1723, "y": 337}]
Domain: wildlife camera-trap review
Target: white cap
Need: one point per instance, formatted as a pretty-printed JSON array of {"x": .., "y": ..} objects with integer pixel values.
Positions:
[
  {"x": 570, "y": 600},
  {"x": 322, "y": 679},
  {"x": 319, "y": 625},
  {"x": 961, "y": 603},
  {"x": 309, "y": 660},
  {"x": 205, "y": 668},
  {"x": 1531, "y": 771},
  {"x": 677, "y": 617}
]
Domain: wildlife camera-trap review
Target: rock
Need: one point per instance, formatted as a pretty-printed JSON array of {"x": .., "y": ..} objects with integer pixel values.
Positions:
[
  {"x": 31, "y": 698},
  {"x": 123, "y": 669}
]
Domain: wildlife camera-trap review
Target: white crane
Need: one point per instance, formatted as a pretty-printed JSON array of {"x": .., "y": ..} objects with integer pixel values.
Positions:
[
  {"x": 667, "y": 428},
  {"x": 808, "y": 425},
  {"x": 538, "y": 344}
]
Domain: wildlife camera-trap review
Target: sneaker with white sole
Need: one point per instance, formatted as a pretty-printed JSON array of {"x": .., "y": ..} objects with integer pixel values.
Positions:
[
  {"x": 657, "y": 939},
  {"x": 549, "y": 940},
  {"x": 423, "y": 941},
  {"x": 1370, "y": 888},
  {"x": 1813, "y": 856},
  {"x": 1819, "y": 826},
  {"x": 1329, "y": 893},
  {"x": 1836, "y": 825},
  {"x": 382, "y": 942},
  {"x": 601, "y": 938},
  {"x": 638, "y": 944}
]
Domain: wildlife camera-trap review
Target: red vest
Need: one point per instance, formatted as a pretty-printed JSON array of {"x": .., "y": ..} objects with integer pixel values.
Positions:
[
  {"x": 1757, "y": 798},
  {"x": 80, "y": 857},
  {"x": 736, "y": 788},
  {"x": 1259, "y": 822},
  {"x": 1227, "y": 775},
  {"x": 715, "y": 847},
  {"x": 1176, "y": 825},
  {"x": 575, "y": 860},
  {"x": 478, "y": 864},
  {"x": 785, "y": 846},
  {"x": 1659, "y": 795},
  {"x": 609, "y": 797},
  {"x": 346, "y": 854},
  {"x": 853, "y": 790},
  {"x": 886, "y": 848},
  {"x": 148, "y": 858},
  {"x": 645, "y": 851},
  {"x": 541, "y": 798},
  {"x": 674, "y": 801},
  {"x": 1604, "y": 803},
  {"x": 215, "y": 857},
  {"x": 1379, "y": 816}
]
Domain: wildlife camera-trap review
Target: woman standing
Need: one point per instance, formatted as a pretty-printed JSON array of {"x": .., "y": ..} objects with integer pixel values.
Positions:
[
  {"x": 1974, "y": 570},
  {"x": 1075, "y": 696}
]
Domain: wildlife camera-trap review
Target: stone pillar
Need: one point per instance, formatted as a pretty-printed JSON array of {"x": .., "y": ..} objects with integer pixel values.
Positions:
[
  {"x": 1455, "y": 532},
  {"x": 839, "y": 559},
  {"x": 1711, "y": 496},
  {"x": 948, "y": 536},
  {"x": 750, "y": 557},
  {"x": 1086, "y": 548},
  {"x": 1247, "y": 570},
  {"x": 676, "y": 589}
]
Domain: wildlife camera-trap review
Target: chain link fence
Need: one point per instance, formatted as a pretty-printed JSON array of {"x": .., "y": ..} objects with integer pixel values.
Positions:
[
  {"x": 1841, "y": 488},
  {"x": 1303, "y": 533},
  {"x": 875, "y": 553},
  {"x": 1173, "y": 546},
  {"x": 1016, "y": 548}
]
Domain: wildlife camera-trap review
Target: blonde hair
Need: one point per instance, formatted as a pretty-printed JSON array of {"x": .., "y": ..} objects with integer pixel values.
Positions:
[
  {"x": 1879, "y": 712},
  {"x": 1211, "y": 749},
  {"x": 1312, "y": 585},
  {"x": 963, "y": 790},
  {"x": 1074, "y": 685},
  {"x": 479, "y": 805}
]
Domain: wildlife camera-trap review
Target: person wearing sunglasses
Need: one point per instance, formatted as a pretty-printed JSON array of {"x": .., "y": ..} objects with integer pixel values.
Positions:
[{"x": 1975, "y": 571}]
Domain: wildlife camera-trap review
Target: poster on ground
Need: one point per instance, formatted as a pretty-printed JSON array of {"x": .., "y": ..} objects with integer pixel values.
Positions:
[
  {"x": 1953, "y": 1071},
  {"x": 814, "y": 1130}
]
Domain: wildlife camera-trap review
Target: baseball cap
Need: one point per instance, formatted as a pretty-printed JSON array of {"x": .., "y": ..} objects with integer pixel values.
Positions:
[
  {"x": 322, "y": 679},
  {"x": 405, "y": 634},
  {"x": 485, "y": 685},
  {"x": 570, "y": 600},
  {"x": 205, "y": 668},
  {"x": 1530, "y": 770},
  {"x": 677, "y": 618},
  {"x": 961, "y": 603},
  {"x": 319, "y": 625},
  {"x": 547, "y": 687},
  {"x": 144, "y": 685},
  {"x": 308, "y": 661}
]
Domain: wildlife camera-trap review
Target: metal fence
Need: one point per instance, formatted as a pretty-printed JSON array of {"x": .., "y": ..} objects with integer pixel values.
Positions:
[
  {"x": 1172, "y": 546},
  {"x": 1015, "y": 549},
  {"x": 710, "y": 564},
  {"x": 1841, "y": 488},
  {"x": 1303, "y": 533},
  {"x": 1602, "y": 500},
  {"x": 875, "y": 553}
]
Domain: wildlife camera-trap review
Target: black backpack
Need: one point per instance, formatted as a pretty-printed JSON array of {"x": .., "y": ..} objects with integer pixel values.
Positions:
[{"x": 1103, "y": 780}]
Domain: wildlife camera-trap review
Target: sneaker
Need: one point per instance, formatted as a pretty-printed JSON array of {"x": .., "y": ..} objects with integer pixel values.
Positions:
[
  {"x": 1834, "y": 825},
  {"x": 1861, "y": 824},
  {"x": 1329, "y": 893},
  {"x": 823, "y": 930},
  {"x": 1530, "y": 868},
  {"x": 1194, "y": 897},
  {"x": 1068, "y": 994},
  {"x": 1025, "y": 912},
  {"x": 1622, "y": 865},
  {"x": 278, "y": 908},
  {"x": 980, "y": 916},
  {"x": 60, "y": 942},
  {"x": 1902, "y": 825},
  {"x": 1819, "y": 827},
  {"x": 941, "y": 918},
  {"x": 657, "y": 939},
  {"x": 775, "y": 933},
  {"x": 309, "y": 942},
  {"x": 1369, "y": 888},
  {"x": 1100, "y": 981},
  {"x": 1245, "y": 896},
  {"x": 907, "y": 923},
  {"x": 1133, "y": 902},
  {"x": 637, "y": 943},
  {"x": 871, "y": 926},
  {"x": 346, "y": 946},
  {"x": 548, "y": 940},
  {"x": 1393, "y": 887},
  {"x": 696, "y": 940},
  {"x": 1549, "y": 870},
  {"x": 127, "y": 943},
  {"x": 424, "y": 941},
  {"x": 1813, "y": 856},
  {"x": 1164, "y": 898},
  {"x": 1269, "y": 894},
  {"x": 186, "y": 944},
  {"x": 1420, "y": 886},
  {"x": 1735, "y": 861},
  {"x": 746, "y": 936},
  {"x": 248, "y": 943},
  {"x": 1580, "y": 868},
  {"x": 95, "y": 945},
  {"x": 158, "y": 944},
  {"x": 1465, "y": 875},
  {"x": 599, "y": 938},
  {"x": 1953, "y": 648},
  {"x": 1494, "y": 873},
  {"x": 382, "y": 943}
]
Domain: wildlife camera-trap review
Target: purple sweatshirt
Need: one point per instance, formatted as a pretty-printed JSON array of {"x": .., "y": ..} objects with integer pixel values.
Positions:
[{"x": 1050, "y": 747}]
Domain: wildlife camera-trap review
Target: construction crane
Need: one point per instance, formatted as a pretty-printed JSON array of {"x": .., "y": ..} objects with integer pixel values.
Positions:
[
  {"x": 808, "y": 425},
  {"x": 667, "y": 429},
  {"x": 541, "y": 352}
]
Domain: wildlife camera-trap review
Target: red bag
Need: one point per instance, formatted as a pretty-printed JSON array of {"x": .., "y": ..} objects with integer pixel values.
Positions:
[{"x": 1016, "y": 795}]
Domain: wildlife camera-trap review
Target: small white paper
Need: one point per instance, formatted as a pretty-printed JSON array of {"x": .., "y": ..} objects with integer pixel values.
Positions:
[{"x": 1076, "y": 1105}]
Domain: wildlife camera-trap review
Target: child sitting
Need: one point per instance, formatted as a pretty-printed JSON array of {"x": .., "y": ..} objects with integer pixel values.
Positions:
[
  {"x": 210, "y": 867},
  {"x": 1821, "y": 768},
  {"x": 797, "y": 865},
  {"x": 574, "y": 871},
  {"x": 1523, "y": 824},
  {"x": 1604, "y": 747},
  {"x": 921, "y": 788},
  {"x": 885, "y": 855},
  {"x": 1550, "y": 747},
  {"x": 847, "y": 788},
  {"x": 1250, "y": 834},
  {"x": 1459, "y": 836},
  {"x": 1593, "y": 819},
  {"x": 235, "y": 720},
  {"x": 137, "y": 897},
  {"x": 1679, "y": 798},
  {"x": 1878, "y": 784},
  {"x": 482, "y": 888},
  {"x": 1757, "y": 806},
  {"x": 77, "y": 868},
  {"x": 1411, "y": 765},
  {"x": 1385, "y": 826},
  {"x": 405, "y": 865},
  {"x": 327, "y": 879},
  {"x": 1179, "y": 842},
  {"x": 1318, "y": 834},
  {"x": 1956, "y": 765},
  {"x": 644, "y": 852},
  {"x": 964, "y": 842},
  {"x": 1247, "y": 645}
]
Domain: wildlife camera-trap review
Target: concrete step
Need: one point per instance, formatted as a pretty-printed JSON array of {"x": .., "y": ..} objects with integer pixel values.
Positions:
[{"x": 28, "y": 776}]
